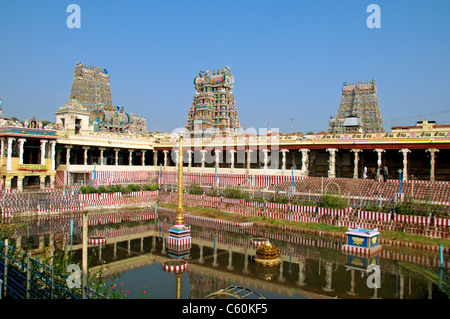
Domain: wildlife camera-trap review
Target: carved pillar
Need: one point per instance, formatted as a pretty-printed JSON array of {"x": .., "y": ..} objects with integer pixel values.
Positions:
[
  {"x": 21, "y": 142},
  {"x": 283, "y": 160},
  {"x": 165, "y": 157},
  {"x": 67, "y": 156},
  {"x": 9, "y": 153},
  {"x": 53, "y": 154},
  {"x": 332, "y": 162},
  {"x": 305, "y": 161},
  {"x": 217, "y": 153},
  {"x": 405, "y": 152},
  {"x": 85, "y": 155},
  {"x": 189, "y": 159},
  {"x": 380, "y": 152},
  {"x": 143, "y": 157},
  {"x": 356, "y": 161},
  {"x": 266, "y": 159},
  {"x": 116, "y": 156},
  {"x": 203, "y": 159},
  {"x": 43, "y": 144},
  {"x": 130, "y": 157},
  {"x": 232, "y": 159},
  {"x": 433, "y": 152},
  {"x": 249, "y": 153},
  {"x": 155, "y": 158},
  {"x": 101, "y": 155}
]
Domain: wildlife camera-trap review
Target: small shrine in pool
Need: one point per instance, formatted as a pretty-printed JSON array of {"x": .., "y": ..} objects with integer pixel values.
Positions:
[
  {"x": 267, "y": 254},
  {"x": 362, "y": 241}
]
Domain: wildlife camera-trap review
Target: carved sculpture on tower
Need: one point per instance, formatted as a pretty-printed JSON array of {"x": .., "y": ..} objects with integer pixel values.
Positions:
[
  {"x": 213, "y": 108},
  {"x": 359, "y": 110}
]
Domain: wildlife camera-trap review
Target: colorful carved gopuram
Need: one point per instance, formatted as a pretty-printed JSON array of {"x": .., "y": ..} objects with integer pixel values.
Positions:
[
  {"x": 213, "y": 108},
  {"x": 358, "y": 110}
]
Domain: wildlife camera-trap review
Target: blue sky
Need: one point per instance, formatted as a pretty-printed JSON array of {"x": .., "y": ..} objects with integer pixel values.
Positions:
[{"x": 289, "y": 58}]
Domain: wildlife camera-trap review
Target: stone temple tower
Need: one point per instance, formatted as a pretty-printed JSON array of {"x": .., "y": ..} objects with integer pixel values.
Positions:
[
  {"x": 358, "y": 110},
  {"x": 213, "y": 108},
  {"x": 91, "y": 87}
]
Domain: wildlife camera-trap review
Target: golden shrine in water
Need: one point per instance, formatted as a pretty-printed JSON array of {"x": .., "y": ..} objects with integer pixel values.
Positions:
[{"x": 267, "y": 253}]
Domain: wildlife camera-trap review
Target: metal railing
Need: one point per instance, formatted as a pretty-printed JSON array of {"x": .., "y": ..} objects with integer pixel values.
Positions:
[{"x": 25, "y": 277}]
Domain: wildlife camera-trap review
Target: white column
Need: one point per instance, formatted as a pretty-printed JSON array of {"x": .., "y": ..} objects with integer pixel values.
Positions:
[
  {"x": 116, "y": 156},
  {"x": 189, "y": 159},
  {"x": 67, "y": 156},
  {"x": 217, "y": 154},
  {"x": 165, "y": 158},
  {"x": 380, "y": 152},
  {"x": 130, "y": 157},
  {"x": 232, "y": 159},
  {"x": 143, "y": 157},
  {"x": 332, "y": 162},
  {"x": 266, "y": 159},
  {"x": 53, "y": 154},
  {"x": 283, "y": 160},
  {"x": 249, "y": 153},
  {"x": 433, "y": 152},
  {"x": 405, "y": 152},
  {"x": 9, "y": 153},
  {"x": 2, "y": 147},
  {"x": 155, "y": 157},
  {"x": 355, "y": 163},
  {"x": 305, "y": 160},
  {"x": 101, "y": 155},
  {"x": 203, "y": 159},
  {"x": 21, "y": 142},
  {"x": 85, "y": 154},
  {"x": 43, "y": 144}
]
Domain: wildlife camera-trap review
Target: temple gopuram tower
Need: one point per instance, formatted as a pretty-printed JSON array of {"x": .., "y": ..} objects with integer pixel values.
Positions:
[
  {"x": 213, "y": 108},
  {"x": 358, "y": 110},
  {"x": 91, "y": 86}
]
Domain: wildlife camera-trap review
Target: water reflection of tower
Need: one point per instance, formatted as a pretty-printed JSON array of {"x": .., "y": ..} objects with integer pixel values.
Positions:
[{"x": 179, "y": 241}]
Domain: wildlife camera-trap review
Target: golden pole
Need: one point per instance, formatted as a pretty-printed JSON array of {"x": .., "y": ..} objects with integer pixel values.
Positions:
[
  {"x": 178, "y": 277},
  {"x": 180, "y": 184}
]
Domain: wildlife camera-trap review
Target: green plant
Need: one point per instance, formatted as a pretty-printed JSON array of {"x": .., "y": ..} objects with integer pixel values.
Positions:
[
  {"x": 332, "y": 201},
  {"x": 195, "y": 189},
  {"x": 231, "y": 192}
]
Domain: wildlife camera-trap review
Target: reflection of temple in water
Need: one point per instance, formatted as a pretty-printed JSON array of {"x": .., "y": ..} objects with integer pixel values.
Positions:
[{"x": 309, "y": 268}]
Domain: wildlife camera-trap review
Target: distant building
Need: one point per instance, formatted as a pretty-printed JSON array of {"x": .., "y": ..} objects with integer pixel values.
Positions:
[
  {"x": 358, "y": 110},
  {"x": 90, "y": 106},
  {"x": 213, "y": 108}
]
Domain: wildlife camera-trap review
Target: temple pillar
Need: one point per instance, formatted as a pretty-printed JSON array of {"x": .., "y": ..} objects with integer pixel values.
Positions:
[
  {"x": 19, "y": 183},
  {"x": 249, "y": 153},
  {"x": 283, "y": 160},
  {"x": 203, "y": 159},
  {"x": 405, "y": 152},
  {"x": 67, "y": 156},
  {"x": 9, "y": 154},
  {"x": 217, "y": 154},
  {"x": 189, "y": 159},
  {"x": 130, "y": 157},
  {"x": 433, "y": 152},
  {"x": 266, "y": 159},
  {"x": 155, "y": 158},
  {"x": 165, "y": 158},
  {"x": 232, "y": 160},
  {"x": 53, "y": 154},
  {"x": 101, "y": 155},
  {"x": 305, "y": 161},
  {"x": 85, "y": 154},
  {"x": 332, "y": 162},
  {"x": 356, "y": 161},
  {"x": 143, "y": 157},
  {"x": 379, "y": 153},
  {"x": 21, "y": 142},
  {"x": 2, "y": 149},
  {"x": 116, "y": 156},
  {"x": 43, "y": 144}
]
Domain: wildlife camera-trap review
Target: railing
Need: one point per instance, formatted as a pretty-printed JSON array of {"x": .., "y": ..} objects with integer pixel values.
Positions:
[{"x": 25, "y": 277}]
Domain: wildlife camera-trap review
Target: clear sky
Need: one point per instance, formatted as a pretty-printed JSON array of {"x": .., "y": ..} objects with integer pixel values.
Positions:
[{"x": 289, "y": 58}]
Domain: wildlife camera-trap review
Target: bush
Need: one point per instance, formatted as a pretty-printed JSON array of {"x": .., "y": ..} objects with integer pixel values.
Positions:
[
  {"x": 134, "y": 188},
  {"x": 152, "y": 187},
  {"x": 332, "y": 201},
  {"x": 234, "y": 193},
  {"x": 195, "y": 189}
]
